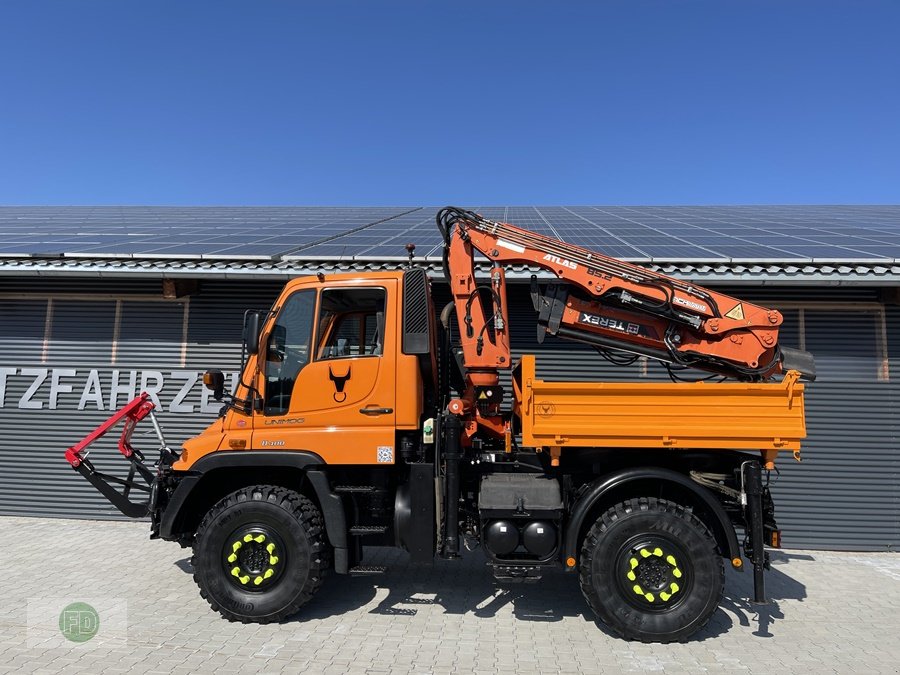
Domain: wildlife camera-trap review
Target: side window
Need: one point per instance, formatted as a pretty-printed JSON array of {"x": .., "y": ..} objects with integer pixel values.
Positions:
[
  {"x": 288, "y": 350},
  {"x": 351, "y": 323}
]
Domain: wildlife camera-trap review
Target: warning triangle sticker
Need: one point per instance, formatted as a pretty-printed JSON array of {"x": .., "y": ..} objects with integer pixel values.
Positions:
[
  {"x": 736, "y": 312},
  {"x": 482, "y": 396}
]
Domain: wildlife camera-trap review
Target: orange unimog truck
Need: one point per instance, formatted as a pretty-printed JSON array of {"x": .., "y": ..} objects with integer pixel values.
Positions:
[{"x": 365, "y": 415}]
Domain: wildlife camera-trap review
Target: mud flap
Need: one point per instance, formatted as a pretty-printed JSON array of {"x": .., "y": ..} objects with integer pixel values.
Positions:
[{"x": 141, "y": 477}]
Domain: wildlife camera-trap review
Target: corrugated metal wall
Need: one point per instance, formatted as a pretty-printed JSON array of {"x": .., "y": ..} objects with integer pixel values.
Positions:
[
  {"x": 846, "y": 492},
  {"x": 72, "y": 351},
  {"x": 93, "y": 353}
]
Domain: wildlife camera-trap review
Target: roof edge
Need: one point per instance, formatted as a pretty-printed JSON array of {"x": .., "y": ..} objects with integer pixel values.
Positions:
[{"x": 731, "y": 272}]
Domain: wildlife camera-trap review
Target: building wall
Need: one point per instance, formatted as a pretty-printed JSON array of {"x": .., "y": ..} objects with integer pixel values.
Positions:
[{"x": 71, "y": 351}]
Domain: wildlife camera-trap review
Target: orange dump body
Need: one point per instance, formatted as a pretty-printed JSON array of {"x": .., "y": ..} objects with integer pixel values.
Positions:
[{"x": 768, "y": 417}]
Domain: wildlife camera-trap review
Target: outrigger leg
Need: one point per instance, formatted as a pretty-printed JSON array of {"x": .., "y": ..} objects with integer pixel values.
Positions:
[{"x": 755, "y": 537}]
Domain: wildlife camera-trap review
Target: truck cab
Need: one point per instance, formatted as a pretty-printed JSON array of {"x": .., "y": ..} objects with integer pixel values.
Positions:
[{"x": 329, "y": 376}]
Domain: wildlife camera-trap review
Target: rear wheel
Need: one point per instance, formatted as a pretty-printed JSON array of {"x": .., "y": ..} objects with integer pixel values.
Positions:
[
  {"x": 260, "y": 554},
  {"x": 650, "y": 570}
]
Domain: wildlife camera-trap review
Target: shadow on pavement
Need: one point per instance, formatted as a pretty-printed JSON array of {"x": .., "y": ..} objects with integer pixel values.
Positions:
[
  {"x": 467, "y": 586},
  {"x": 739, "y": 588}
]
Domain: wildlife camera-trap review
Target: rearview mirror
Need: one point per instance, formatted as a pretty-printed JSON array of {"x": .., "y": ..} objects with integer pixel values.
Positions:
[
  {"x": 214, "y": 380},
  {"x": 251, "y": 332},
  {"x": 276, "y": 349}
]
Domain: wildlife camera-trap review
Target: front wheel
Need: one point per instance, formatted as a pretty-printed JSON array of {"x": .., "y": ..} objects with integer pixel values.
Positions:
[
  {"x": 260, "y": 554},
  {"x": 650, "y": 570}
]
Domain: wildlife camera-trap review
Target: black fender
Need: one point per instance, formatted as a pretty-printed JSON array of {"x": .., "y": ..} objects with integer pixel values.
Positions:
[
  {"x": 722, "y": 528},
  {"x": 309, "y": 462}
]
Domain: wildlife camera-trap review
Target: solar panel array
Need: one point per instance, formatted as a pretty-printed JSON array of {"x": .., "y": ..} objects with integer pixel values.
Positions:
[
  {"x": 222, "y": 232},
  {"x": 644, "y": 233}
]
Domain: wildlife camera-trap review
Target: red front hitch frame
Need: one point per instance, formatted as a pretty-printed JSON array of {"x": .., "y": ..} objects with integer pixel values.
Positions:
[{"x": 132, "y": 413}]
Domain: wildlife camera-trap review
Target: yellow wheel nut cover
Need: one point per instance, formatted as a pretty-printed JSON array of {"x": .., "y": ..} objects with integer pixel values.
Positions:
[
  {"x": 260, "y": 539},
  {"x": 248, "y": 538},
  {"x": 270, "y": 549},
  {"x": 257, "y": 581},
  {"x": 273, "y": 559},
  {"x": 664, "y": 596},
  {"x": 236, "y": 545},
  {"x": 235, "y": 571},
  {"x": 269, "y": 572},
  {"x": 232, "y": 557}
]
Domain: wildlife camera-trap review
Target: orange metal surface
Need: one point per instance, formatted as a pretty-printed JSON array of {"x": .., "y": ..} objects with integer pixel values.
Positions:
[
  {"x": 207, "y": 441},
  {"x": 727, "y": 415},
  {"x": 728, "y": 329},
  {"x": 319, "y": 419},
  {"x": 342, "y": 429},
  {"x": 484, "y": 352}
]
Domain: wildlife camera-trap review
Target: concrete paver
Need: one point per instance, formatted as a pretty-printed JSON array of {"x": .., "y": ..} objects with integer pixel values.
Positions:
[{"x": 831, "y": 612}]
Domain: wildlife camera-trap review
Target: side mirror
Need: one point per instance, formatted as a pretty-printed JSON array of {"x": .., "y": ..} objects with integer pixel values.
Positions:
[
  {"x": 251, "y": 332},
  {"x": 214, "y": 380}
]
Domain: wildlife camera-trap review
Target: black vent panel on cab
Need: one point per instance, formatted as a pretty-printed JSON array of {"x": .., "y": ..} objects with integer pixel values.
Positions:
[{"x": 416, "y": 308}]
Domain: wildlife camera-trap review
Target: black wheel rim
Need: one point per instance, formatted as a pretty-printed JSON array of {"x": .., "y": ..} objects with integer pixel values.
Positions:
[
  {"x": 254, "y": 557},
  {"x": 653, "y": 573}
]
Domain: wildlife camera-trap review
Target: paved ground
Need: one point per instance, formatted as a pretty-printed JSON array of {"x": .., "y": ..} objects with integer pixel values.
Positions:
[{"x": 832, "y": 613}]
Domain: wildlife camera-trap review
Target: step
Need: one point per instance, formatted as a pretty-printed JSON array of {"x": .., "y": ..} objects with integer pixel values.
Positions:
[
  {"x": 361, "y": 570},
  {"x": 529, "y": 573},
  {"x": 355, "y": 488},
  {"x": 361, "y": 530}
]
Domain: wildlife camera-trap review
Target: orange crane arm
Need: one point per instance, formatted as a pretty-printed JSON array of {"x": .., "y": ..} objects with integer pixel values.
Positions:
[{"x": 608, "y": 303}]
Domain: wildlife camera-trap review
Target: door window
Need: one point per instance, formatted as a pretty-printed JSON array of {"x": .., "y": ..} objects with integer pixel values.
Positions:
[
  {"x": 288, "y": 350},
  {"x": 351, "y": 323}
]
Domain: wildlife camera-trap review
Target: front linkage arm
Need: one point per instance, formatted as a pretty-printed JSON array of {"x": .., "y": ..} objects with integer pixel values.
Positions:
[{"x": 140, "y": 476}]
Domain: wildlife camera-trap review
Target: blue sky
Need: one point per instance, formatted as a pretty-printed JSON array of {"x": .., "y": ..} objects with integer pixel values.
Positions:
[{"x": 490, "y": 102}]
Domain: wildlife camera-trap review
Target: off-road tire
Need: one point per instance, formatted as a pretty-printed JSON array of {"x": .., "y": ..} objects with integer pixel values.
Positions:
[
  {"x": 613, "y": 544},
  {"x": 297, "y": 523}
]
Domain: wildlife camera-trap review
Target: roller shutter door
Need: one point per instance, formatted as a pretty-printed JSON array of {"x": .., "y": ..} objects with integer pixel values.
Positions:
[
  {"x": 71, "y": 352},
  {"x": 845, "y": 495}
]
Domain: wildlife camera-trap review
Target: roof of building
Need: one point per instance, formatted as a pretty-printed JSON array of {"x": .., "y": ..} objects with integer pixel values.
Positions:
[{"x": 759, "y": 244}]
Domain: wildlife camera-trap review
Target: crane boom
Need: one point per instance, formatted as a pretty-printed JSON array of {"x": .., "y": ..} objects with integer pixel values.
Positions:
[{"x": 610, "y": 304}]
